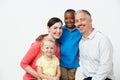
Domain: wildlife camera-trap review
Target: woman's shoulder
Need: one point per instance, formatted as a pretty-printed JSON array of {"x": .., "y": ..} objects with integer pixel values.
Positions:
[
  {"x": 41, "y": 37},
  {"x": 36, "y": 43}
]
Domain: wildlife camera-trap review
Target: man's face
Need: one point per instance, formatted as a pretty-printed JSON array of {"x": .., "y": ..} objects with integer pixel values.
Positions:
[{"x": 83, "y": 22}]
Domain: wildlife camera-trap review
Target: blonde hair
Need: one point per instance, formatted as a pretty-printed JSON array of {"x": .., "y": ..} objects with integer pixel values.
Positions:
[{"x": 47, "y": 40}]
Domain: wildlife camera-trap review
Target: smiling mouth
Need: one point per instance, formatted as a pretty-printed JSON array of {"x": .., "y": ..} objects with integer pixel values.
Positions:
[{"x": 57, "y": 34}]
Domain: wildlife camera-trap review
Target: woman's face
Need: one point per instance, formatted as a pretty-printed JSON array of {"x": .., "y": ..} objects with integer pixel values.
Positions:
[{"x": 55, "y": 30}]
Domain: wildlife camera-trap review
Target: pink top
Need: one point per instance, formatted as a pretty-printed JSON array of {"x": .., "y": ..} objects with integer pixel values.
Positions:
[{"x": 31, "y": 57}]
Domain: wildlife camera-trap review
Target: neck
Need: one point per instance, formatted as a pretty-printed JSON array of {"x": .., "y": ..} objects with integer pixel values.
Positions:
[
  {"x": 50, "y": 37},
  {"x": 70, "y": 28},
  {"x": 87, "y": 33},
  {"x": 48, "y": 57}
]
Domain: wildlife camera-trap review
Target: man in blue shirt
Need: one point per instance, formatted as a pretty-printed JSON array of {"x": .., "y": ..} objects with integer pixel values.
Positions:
[{"x": 69, "y": 51}]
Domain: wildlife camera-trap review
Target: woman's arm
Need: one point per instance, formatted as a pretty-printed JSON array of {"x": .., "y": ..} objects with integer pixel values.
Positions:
[
  {"x": 31, "y": 71},
  {"x": 29, "y": 58}
]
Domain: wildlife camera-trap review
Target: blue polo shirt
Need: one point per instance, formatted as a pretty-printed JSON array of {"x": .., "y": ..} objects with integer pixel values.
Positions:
[{"x": 69, "y": 47}]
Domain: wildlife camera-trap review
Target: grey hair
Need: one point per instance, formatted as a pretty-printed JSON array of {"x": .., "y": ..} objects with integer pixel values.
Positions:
[{"x": 85, "y": 11}]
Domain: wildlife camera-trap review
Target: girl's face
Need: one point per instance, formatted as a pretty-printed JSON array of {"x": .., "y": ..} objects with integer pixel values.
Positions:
[
  {"x": 48, "y": 48},
  {"x": 55, "y": 30}
]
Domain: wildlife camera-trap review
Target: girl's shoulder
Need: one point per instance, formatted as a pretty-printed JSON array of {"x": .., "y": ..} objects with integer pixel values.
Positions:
[{"x": 54, "y": 57}]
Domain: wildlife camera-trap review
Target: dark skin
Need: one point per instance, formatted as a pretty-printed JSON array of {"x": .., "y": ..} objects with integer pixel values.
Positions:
[{"x": 69, "y": 20}]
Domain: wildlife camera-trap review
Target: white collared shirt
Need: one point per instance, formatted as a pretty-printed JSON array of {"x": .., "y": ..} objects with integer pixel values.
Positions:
[{"x": 96, "y": 56}]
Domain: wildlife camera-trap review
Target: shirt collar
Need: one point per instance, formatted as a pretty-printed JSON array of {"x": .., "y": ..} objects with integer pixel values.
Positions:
[
  {"x": 65, "y": 27},
  {"x": 91, "y": 36}
]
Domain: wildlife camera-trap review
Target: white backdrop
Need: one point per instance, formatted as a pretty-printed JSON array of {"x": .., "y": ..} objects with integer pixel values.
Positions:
[{"x": 21, "y": 21}]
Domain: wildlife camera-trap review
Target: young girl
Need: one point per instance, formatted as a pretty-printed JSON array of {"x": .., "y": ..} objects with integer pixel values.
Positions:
[{"x": 48, "y": 64}]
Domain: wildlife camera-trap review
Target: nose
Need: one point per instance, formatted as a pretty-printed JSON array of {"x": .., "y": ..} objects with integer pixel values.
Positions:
[
  {"x": 49, "y": 50},
  {"x": 69, "y": 20}
]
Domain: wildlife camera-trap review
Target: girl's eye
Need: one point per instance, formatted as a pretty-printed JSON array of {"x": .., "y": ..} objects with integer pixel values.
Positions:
[
  {"x": 46, "y": 47},
  {"x": 51, "y": 48}
]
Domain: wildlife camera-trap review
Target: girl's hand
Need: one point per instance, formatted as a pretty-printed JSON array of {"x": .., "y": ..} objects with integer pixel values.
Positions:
[{"x": 55, "y": 78}]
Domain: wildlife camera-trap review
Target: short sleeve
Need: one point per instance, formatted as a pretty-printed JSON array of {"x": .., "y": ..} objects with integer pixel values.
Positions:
[{"x": 39, "y": 62}]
